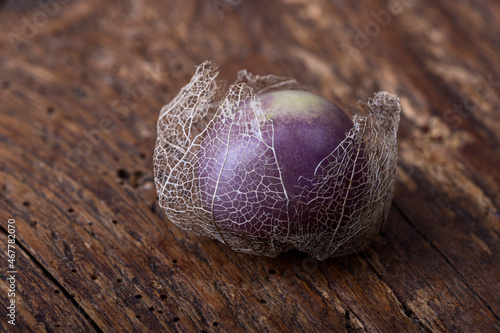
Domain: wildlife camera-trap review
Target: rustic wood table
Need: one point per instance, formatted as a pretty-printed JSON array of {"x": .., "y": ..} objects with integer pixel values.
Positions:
[{"x": 81, "y": 86}]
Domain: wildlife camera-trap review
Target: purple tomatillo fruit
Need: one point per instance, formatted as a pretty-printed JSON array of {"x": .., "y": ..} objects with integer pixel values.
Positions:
[{"x": 306, "y": 129}]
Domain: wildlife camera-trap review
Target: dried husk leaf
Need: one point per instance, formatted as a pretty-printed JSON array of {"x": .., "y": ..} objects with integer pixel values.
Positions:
[{"x": 184, "y": 124}]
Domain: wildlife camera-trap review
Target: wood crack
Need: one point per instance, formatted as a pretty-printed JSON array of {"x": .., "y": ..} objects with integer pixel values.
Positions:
[
  {"x": 349, "y": 324},
  {"x": 56, "y": 283},
  {"x": 448, "y": 261},
  {"x": 407, "y": 311}
]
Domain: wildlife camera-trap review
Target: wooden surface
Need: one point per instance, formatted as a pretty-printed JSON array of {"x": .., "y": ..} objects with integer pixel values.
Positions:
[{"x": 81, "y": 86}]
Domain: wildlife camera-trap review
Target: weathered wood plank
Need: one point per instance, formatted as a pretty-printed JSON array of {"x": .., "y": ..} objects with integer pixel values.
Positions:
[
  {"x": 174, "y": 277},
  {"x": 431, "y": 289},
  {"x": 79, "y": 104},
  {"x": 39, "y": 303}
]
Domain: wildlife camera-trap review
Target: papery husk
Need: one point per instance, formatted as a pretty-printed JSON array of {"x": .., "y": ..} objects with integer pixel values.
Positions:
[{"x": 204, "y": 102}]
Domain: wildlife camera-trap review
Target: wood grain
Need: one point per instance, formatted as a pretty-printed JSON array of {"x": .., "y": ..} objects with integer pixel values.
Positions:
[{"x": 81, "y": 86}]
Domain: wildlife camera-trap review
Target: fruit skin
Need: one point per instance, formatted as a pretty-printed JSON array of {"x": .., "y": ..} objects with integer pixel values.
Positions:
[{"x": 307, "y": 128}]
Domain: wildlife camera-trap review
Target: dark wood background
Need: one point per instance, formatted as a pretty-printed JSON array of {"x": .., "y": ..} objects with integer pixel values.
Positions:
[{"x": 81, "y": 86}]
